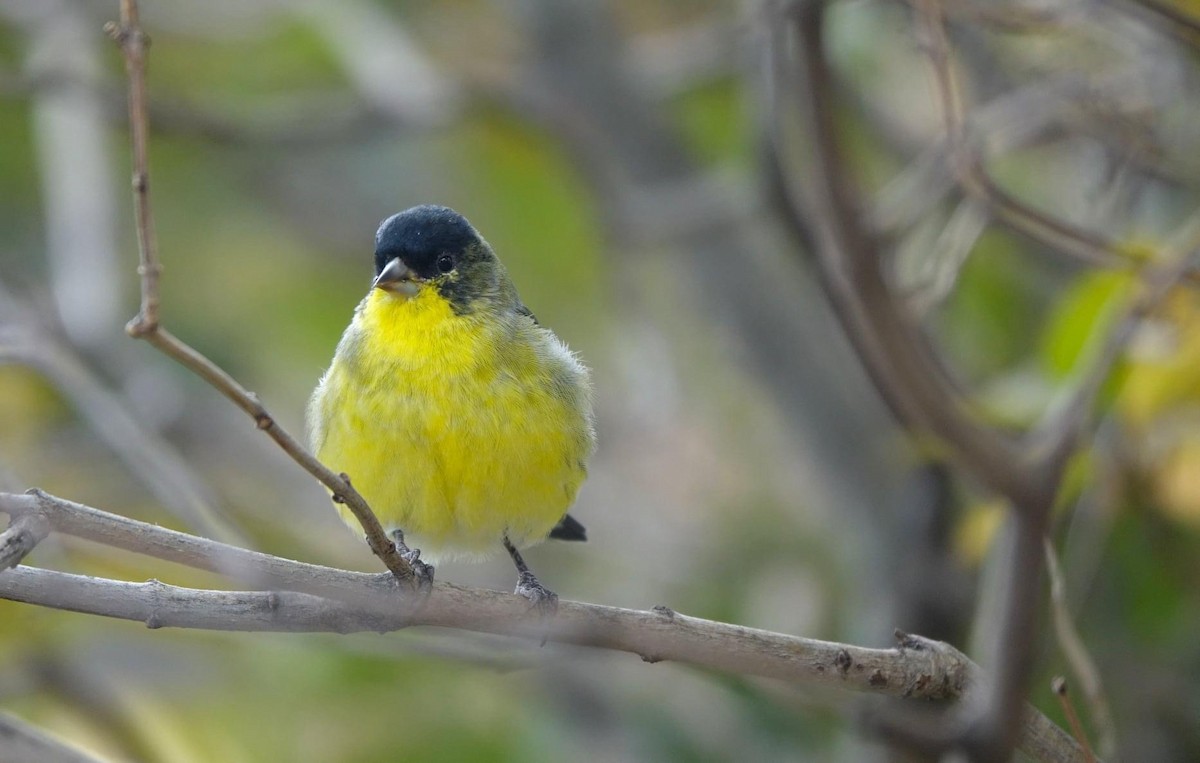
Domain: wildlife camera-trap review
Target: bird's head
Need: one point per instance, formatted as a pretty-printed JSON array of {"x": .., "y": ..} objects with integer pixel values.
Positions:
[{"x": 435, "y": 248}]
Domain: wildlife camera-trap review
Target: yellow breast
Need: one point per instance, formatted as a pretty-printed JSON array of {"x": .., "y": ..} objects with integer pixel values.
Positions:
[{"x": 458, "y": 429}]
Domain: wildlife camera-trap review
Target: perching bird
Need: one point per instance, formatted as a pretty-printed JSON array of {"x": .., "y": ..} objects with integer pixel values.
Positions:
[{"x": 464, "y": 423}]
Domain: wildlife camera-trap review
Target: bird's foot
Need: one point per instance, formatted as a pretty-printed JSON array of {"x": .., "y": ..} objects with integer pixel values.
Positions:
[
  {"x": 541, "y": 598},
  {"x": 422, "y": 572}
]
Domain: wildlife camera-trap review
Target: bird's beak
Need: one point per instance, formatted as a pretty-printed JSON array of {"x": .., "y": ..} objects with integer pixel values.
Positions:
[{"x": 397, "y": 278}]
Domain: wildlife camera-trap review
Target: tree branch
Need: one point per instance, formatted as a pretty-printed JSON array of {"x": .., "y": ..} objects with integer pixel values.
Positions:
[
  {"x": 311, "y": 598},
  {"x": 133, "y": 42}
]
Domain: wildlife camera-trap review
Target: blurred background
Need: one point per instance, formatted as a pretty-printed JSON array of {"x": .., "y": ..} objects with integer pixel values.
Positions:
[{"x": 747, "y": 470}]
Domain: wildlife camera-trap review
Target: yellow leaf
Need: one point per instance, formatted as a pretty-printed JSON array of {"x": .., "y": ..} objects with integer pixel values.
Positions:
[
  {"x": 1177, "y": 483},
  {"x": 976, "y": 531}
]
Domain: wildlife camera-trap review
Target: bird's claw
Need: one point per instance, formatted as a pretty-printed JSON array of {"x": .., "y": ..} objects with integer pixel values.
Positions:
[
  {"x": 541, "y": 598},
  {"x": 422, "y": 572}
]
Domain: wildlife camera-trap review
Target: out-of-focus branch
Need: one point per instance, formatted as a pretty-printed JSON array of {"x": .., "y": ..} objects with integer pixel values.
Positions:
[
  {"x": 76, "y": 172},
  {"x": 1178, "y": 21},
  {"x": 23, "y": 743},
  {"x": 908, "y": 373},
  {"x": 313, "y": 598},
  {"x": 1008, "y": 17},
  {"x": 153, "y": 461},
  {"x": 971, "y": 175},
  {"x": 132, "y": 40},
  {"x": 1077, "y": 656},
  {"x": 898, "y": 358},
  {"x": 1033, "y": 112}
]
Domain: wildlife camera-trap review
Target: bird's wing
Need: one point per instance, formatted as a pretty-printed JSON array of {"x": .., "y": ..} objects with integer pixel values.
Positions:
[{"x": 522, "y": 310}]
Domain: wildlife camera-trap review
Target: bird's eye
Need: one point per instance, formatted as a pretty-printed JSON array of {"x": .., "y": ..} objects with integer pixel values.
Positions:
[{"x": 445, "y": 263}]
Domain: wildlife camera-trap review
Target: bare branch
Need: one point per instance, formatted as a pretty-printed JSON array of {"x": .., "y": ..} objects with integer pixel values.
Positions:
[
  {"x": 133, "y": 41},
  {"x": 315, "y": 598}
]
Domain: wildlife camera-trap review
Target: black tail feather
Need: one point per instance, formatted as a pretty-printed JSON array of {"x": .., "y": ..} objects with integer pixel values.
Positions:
[{"x": 568, "y": 528}]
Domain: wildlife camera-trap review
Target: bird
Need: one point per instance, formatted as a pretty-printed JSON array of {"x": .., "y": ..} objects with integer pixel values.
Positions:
[{"x": 464, "y": 423}]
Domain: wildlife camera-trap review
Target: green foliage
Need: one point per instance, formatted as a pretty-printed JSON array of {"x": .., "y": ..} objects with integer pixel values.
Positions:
[{"x": 1084, "y": 312}]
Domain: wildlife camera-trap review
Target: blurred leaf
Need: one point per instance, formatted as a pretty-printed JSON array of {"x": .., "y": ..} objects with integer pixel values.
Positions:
[
  {"x": 1084, "y": 312},
  {"x": 991, "y": 317},
  {"x": 27, "y": 404},
  {"x": 1164, "y": 361},
  {"x": 287, "y": 56},
  {"x": 715, "y": 122},
  {"x": 1177, "y": 483},
  {"x": 976, "y": 530}
]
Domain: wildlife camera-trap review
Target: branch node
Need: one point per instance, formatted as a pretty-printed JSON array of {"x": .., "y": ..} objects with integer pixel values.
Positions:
[
  {"x": 129, "y": 37},
  {"x": 843, "y": 662},
  {"x": 141, "y": 326},
  {"x": 664, "y": 611},
  {"x": 22, "y": 535}
]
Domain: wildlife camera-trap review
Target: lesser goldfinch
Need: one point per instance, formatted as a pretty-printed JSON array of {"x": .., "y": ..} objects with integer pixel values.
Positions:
[{"x": 463, "y": 422}]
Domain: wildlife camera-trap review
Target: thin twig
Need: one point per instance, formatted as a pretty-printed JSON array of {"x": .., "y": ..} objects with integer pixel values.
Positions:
[
  {"x": 1082, "y": 665},
  {"x": 133, "y": 42},
  {"x": 1059, "y": 685},
  {"x": 311, "y": 598}
]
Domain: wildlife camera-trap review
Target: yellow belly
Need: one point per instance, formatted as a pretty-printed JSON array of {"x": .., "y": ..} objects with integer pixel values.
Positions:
[{"x": 452, "y": 434}]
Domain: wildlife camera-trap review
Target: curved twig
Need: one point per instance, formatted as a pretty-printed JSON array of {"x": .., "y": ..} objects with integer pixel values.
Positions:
[{"x": 133, "y": 42}]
